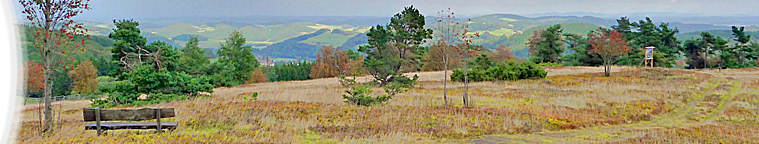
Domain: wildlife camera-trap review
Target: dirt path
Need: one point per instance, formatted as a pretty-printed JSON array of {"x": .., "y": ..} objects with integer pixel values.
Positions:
[{"x": 703, "y": 106}]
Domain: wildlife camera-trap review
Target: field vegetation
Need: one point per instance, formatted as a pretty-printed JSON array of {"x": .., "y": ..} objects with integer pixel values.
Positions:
[
  {"x": 576, "y": 104},
  {"x": 397, "y": 88}
]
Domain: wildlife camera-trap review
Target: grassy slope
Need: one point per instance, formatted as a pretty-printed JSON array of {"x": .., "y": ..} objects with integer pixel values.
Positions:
[
  {"x": 570, "y": 99},
  {"x": 96, "y": 48}
]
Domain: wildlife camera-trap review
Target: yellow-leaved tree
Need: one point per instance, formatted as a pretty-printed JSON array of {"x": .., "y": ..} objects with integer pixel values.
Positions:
[{"x": 84, "y": 76}]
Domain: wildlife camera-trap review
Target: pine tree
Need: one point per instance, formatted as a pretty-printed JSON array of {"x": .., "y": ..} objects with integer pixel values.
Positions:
[
  {"x": 395, "y": 45},
  {"x": 546, "y": 45},
  {"x": 237, "y": 57},
  {"x": 193, "y": 60}
]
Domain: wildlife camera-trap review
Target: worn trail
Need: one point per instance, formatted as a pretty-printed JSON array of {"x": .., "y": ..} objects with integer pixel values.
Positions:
[{"x": 703, "y": 106}]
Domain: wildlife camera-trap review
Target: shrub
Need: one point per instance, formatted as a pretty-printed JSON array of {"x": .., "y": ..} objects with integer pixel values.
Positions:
[
  {"x": 501, "y": 71},
  {"x": 160, "y": 85},
  {"x": 549, "y": 64},
  {"x": 253, "y": 96},
  {"x": 161, "y": 98},
  {"x": 361, "y": 94},
  {"x": 257, "y": 76},
  {"x": 116, "y": 93}
]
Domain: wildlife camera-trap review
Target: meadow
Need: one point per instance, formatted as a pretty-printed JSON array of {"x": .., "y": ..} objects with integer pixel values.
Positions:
[{"x": 571, "y": 105}]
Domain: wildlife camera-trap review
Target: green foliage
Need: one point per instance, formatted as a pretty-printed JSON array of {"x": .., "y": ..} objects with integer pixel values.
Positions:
[
  {"x": 353, "y": 55},
  {"x": 707, "y": 45},
  {"x": 718, "y": 53},
  {"x": 362, "y": 94},
  {"x": 105, "y": 83},
  {"x": 290, "y": 71},
  {"x": 550, "y": 64},
  {"x": 117, "y": 93},
  {"x": 237, "y": 61},
  {"x": 222, "y": 74},
  {"x": 127, "y": 39},
  {"x": 163, "y": 81},
  {"x": 546, "y": 45},
  {"x": 645, "y": 33},
  {"x": 500, "y": 71},
  {"x": 193, "y": 60},
  {"x": 146, "y": 80},
  {"x": 395, "y": 45},
  {"x": 253, "y": 97},
  {"x": 579, "y": 52},
  {"x": 742, "y": 54},
  {"x": 168, "y": 55},
  {"x": 62, "y": 83}
]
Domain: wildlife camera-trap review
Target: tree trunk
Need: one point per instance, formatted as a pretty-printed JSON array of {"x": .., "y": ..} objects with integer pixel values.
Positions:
[
  {"x": 607, "y": 69},
  {"x": 466, "y": 83},
  {"x": 47, "y": 96},
  {"x": 445, "y": 77}
]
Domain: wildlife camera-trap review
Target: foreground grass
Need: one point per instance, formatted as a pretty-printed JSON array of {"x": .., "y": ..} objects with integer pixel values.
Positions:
[{"x": 570, "y": 99}]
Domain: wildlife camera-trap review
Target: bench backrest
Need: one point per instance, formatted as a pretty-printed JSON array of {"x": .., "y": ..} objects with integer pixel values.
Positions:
[{"x": 126, "y": 114}]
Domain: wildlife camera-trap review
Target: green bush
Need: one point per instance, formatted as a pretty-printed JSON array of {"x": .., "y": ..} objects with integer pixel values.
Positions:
[
  {"x": 253, "y": 97},
  {"x": 548, "y": 64},
  {"x": 169, "y": 82},
  {"x": 501, "y": 71},
  {"x": 160, "y": 86},
  {"x": 361, "y": 94}
]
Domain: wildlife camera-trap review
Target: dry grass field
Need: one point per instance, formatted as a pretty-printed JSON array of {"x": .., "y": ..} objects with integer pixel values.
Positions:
[{"x": 571, "y": 105}]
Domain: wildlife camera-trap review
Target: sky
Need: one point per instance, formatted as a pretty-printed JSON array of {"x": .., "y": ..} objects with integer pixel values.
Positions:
[{"x": 107, "y": 9}]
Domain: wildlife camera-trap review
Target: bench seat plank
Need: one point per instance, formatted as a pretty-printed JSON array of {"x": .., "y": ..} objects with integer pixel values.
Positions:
[
  {"x": 135, "y": 125},
  {"x": 126, "y": 114}
]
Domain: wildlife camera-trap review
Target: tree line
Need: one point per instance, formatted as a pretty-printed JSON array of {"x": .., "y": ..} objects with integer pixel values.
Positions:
[{"x": 623, "y": 44}]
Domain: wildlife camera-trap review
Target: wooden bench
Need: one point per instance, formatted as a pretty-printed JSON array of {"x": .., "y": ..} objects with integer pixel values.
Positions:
[{"x": 99, "y": 115}]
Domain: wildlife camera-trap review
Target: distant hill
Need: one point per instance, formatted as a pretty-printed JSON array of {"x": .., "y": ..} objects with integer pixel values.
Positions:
[
  {"x": 292, "y": 48},
  {"x": 296, "y": 38},
  {"x": 98, "y": 49},
  {"x": 726, "y": 34}
]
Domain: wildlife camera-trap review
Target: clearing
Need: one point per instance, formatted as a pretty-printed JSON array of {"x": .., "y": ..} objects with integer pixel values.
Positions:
[{"x": 571, "y": 105}]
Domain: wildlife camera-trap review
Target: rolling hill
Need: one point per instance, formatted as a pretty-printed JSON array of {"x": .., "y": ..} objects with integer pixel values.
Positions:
[
  {"x": 726, "y": 34},
  {"x": 299, "y": 38}
]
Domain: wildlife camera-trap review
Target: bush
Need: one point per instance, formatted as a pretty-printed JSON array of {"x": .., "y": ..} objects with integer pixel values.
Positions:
[
  {"x": 160, "y": 85},
  {"x": 116, "y": 93},
  {"x": 361, "y": 94},
  {"x": 501, "y": 71},
  {"x": 169, "y": 82},
  {"x": 549, "y": 64}
]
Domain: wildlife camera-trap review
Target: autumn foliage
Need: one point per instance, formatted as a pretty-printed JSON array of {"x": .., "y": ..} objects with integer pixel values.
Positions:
[
  {"x": 608, "y": 44},
  {"x": 56, "y": 32},
  {"x": 84, "y": 76},
  {"x": 502, "y": 54},
  {"x": 257, "y": 76},
  {"x": 331, "y": 62},
  {"x": 34, "y": 77},
  {"x": 435, "y": 58}
]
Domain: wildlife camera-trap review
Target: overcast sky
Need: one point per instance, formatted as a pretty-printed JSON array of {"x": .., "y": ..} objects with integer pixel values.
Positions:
[{"x": 216, "y": 8}]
